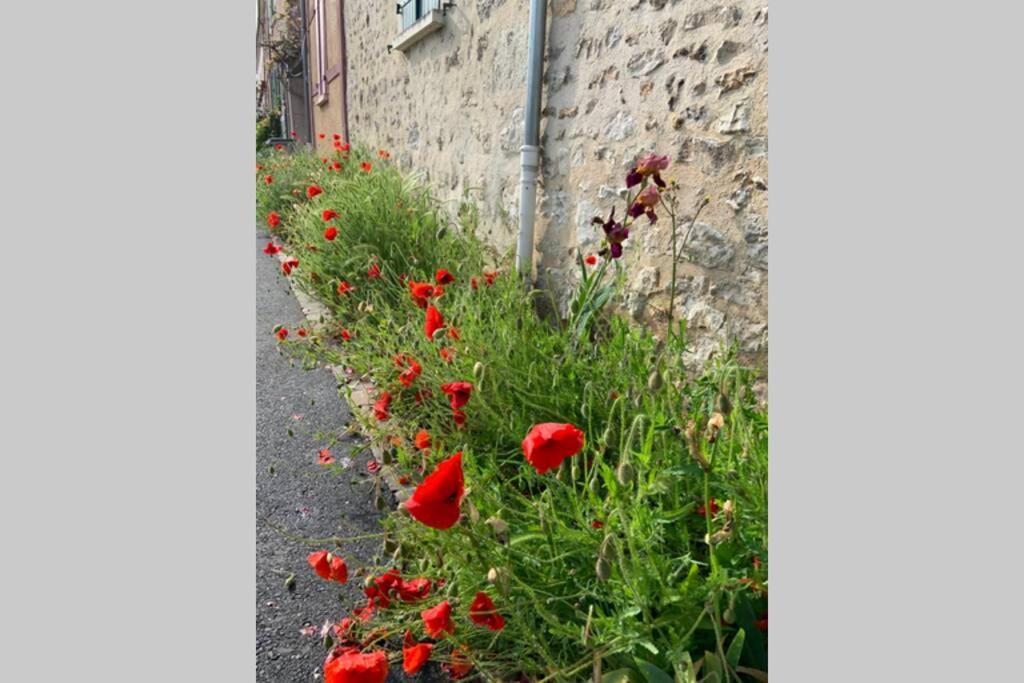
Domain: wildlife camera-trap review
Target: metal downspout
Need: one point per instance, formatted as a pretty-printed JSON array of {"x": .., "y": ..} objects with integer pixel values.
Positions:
[
  {"x": 305, "y": 74},
  {"x": 530, "y": 151}
]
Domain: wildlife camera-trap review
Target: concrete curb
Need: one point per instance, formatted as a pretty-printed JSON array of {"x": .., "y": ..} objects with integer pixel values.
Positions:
[{"x": 358, "y": 393}]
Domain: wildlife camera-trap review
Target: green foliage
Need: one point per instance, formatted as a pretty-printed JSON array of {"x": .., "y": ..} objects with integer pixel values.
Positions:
[
  {"x": 267, "y": 127},
  {"x": 666, "y": 605}
]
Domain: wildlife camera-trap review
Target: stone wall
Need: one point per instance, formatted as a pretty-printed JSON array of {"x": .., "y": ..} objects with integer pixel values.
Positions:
[{"x": 622, "y": 77}]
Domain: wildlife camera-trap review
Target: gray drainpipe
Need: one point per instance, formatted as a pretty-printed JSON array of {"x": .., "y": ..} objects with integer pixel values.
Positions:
[
  {"x": 305, "y": 75},
  {"x": 530, "y": 151}
]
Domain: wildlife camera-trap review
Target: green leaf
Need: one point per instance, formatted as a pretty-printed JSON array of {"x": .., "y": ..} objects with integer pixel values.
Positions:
[
  {"x": 653, "y": 673},
  {"x": 713, "y": 666},
  {"x": 732, "y": 655},
  {"x": 620, "y": 676}
]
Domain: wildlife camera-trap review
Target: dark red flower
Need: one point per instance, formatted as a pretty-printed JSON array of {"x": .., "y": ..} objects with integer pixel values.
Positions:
[
  {"x": 320, "y": 135},
  {"x": 490, "y": 276},
  {"x": 268, "y": 179},
  {"x": 328, "y": 214},
  {"x": 344, "y": 287},
  {"x": 351, "y": 666},
  {"x": 410, "y": 374},
  {"x": 414, "y": 590},
  {"x": 548, "y": 444},
  {"x": 591, "y": 259},
  {"x": 473, "y": 283},
  {"x": 278, "y": 147},
  {"x": 702, "y": 511},
  {"x": 336, "y": 136},
  {"x": 374, "y": 271},
  {"x": 422, "y": 440},
  {"x": 313, "y": 191},
  {"x": 434, "y": 322},
  {"x": 336, "y": 166},
  {"x": 438, "y": 620},
  {"x": 273, "y": 220},
  {"x": 330, "y": 233},
  {"x": 436, "y": 501},
  {"x": 346, "y": 147},
  {"x": 324, "y": 457},
  {"x": 414, "y": 655},
  {"x": 288, "y": 265},
  {"x": 301, "y": 332},
  {"x": 271, "y": 248},
  {"x": 482, "y": 612},
  {"x": 320, "y": 564},
  {"x": 596, "y": 524},
  {"x": 459, "y": 416},
  {"x": 346, "y": 335},
  {"x": 446, "y": 354},
  {"x": 342, "y": 629},
  {"x": 388, "y": 582},
  {"x": 458, "y": 393},
  {"x": 282, "y": 333},
  {"x": 366, "y": 166},
  {"x": 443, "y": 277},
  {"x": 421, "y": 291},
  {"x": 380, "y": 408}
]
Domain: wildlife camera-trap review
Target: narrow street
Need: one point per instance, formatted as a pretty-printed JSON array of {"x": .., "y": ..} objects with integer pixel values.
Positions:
[{"x": 295, "y": 494}]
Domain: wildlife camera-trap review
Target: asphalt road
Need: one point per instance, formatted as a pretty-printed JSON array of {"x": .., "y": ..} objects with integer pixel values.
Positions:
[{"x": 296, "y": 494}]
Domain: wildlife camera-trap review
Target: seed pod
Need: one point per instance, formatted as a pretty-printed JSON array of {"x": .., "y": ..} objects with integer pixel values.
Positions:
[
  {"x": 602, "y": 569},
  {"x": 478, "y": 372},
  {"x": 500, "y": 529},
  {"x": 574, "y": 469},
  {"x": 439, "y": 333},
  {"x": 729, "y": 616},
  {"x": 654, "y": 380},
  {"x": 441, "y": 232},
  {"x": 625, "y": 474},
  {"x": 607, "y": 550},
  {"x": 563, "y": 471},
  {"x": 595, "y": 486},
  {"x": 499, "y": 578}
]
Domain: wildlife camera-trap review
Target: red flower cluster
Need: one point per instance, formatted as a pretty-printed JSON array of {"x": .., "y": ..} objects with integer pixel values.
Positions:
[
  {"x": 436, "y": 501},
  {"x": 327, "y": 566},
  {"x": 548, "y": 444},
  {"x": 380, "y": 408}
]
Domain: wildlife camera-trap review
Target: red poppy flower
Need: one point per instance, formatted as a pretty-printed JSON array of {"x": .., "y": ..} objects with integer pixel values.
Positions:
[
  {"x": 271, "y": 248},
  {"x": 414, "y": 590},
  {"x": 320, "y": 564},
  {"x": 591, "y": 259},
  {"x": 482, "y": 612},
  {"x": 342, "y": 628},
  {"x": 422, "y": 440},
  {"x": 414, "y": 655},
  {"x": 301, "y": 332},
  {"x": 443, "y": 277},
  {"x": 436, "y": 501},
  {"x": 259, "y": 167},
  {"x": 328, "y": 214},
  {"x": 273, "y": 220},
  {"x": 374, "y": 271},
  {"x": 268, "y": 179},
  {"x": 548, "y": 444},
  {"x": 756, "y": 562},
  {"x": 596, "y": 524},
  {"x": 762, "y": 623},
  {"x": 459, "y": 416},
  {"x": 339, "y": 570},
  {"x": 313, "y": 191},
  {"x": 288, "y": 265},
  {"x": 404, "y": 480},
  {"x": 351, "y": 666},
  {"x": 336, "y": 166},
  {"x": 458, "y": 393},
  {"x": 421, "y": 291},
  {"x": 344, "y": 287},
  {"x": 278, "y": 147},
  {"x": 410, "y": 374},
  {"x": 702, "y": 511},
  {"x": 346, "y": 335},
  {"x": 460, "y": 664},
  {"x": 438, "y": 620},
  {"x": 364, "y": 614},
  {"x": 400, "y": 360},
  {"x": 330, "y": 233},
  {"x": 336, "y": 136},
  {"x": 434, "y": 322},
  {"x": 421, "y": 395},
  {"x": 282, "y": 333},
  {"x": 346, "y": 147},
  {"x": 366, "y": 166},
  {"x": 446, "y": 354},
  {"x": 324, "y": 457},
  {"x": 473, "y": 282},
  {"x": 373, "y": 466},
  {"x": 489, "y": 276},
  {"x": 380, "y": 408},
  {"x": 320, "y": 135},
  {"x": 453, "y": 332}
]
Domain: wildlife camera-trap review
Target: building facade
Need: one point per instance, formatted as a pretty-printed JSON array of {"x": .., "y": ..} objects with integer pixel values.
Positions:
[{"x": 442, "y": 87}]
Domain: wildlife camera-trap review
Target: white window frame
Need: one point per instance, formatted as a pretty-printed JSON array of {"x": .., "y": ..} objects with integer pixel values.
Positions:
[
  {"x": 416, "y": 20},
  {"x": 320, "y": 36}
]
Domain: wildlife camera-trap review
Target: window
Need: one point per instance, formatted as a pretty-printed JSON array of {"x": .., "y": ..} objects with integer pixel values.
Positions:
[
  {"x": 412, "y": 11},
  {"x": 320, "y": 36}
]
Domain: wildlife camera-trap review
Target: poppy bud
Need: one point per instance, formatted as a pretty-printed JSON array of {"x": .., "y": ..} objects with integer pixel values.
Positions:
[
  {"x": 595, "y": 486},
  {"x": 625, "y": 473},
  {"x": 499, "y": 578},
  {"x": 607, "y": 550},
  {"x": 654, "y": 380},
  {"x": 368, "y": 582},
  {"x": 575, "y": 469},
  {"x": 328, "y": 641},
  {"x": 563, "y": 471},
  {"x": 602, "y": 569},
  {"x": 473, "y": 513},
  {"x": 724, "y": 404},
  {"x": 438, "y": 334},
  {"x": 478, "y": 372},
  {"x": 729, "y": 616},
  {"x": 500, "y": 529},
  {"x": 396, "y": 556},
  {"x": 441, "y": 232}
]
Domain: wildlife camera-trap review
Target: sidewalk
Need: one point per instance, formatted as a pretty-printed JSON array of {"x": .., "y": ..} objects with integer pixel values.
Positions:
[{"x": 296, "y": 494}]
